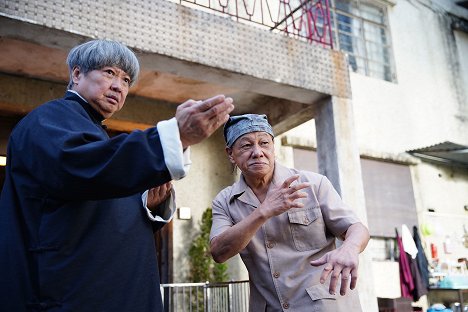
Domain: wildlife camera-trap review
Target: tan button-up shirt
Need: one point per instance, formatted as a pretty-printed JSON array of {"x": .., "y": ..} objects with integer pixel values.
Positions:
[{"x": 278, "y": 256}]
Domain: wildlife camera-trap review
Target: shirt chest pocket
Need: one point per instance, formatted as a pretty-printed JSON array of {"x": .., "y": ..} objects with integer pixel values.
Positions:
[{"x": 307, "y": 228}]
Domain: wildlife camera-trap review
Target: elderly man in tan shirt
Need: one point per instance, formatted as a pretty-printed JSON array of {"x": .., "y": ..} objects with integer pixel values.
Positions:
[{"x": 283, "y": 223}]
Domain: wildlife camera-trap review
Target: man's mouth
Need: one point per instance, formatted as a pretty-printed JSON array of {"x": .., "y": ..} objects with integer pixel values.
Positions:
[
  {"x": 257, "y": 163},
  {"x": 114, "y": 99}
]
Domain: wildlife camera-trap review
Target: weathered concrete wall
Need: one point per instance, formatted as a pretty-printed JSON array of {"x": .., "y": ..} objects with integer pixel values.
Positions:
[
  {"x": 210, "y": 171},
  {"x": 338, "y": 159},
  {"x": 181, "y": 33},
  {"x": 424, "y": 106},
  {"x": 427, "y": 105},
  {"x": 445, "y": 191}
]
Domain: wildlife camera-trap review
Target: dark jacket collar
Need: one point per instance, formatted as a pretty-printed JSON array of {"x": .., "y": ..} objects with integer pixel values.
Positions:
[{"x": 95, "y": 116}]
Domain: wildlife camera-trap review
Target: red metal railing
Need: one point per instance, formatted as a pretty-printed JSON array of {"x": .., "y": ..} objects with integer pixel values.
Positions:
[{"x": 306, "y": 19}]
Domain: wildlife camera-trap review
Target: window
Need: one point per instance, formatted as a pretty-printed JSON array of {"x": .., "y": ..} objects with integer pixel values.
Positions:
[{"x": 361, "y": 30}]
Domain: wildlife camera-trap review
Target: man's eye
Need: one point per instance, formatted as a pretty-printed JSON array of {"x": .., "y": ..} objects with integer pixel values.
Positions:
[
  {"x": 127, "y": 81},
  {"x": 110, "y": 72}
]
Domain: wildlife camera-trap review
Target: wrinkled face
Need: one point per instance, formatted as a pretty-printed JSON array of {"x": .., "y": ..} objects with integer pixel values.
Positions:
[
  {"x": 254, "y": 154},
  {"x": 105, "y": 89}
]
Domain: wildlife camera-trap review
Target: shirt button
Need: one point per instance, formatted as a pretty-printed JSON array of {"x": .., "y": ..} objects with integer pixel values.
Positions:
[
  {"x": 276, "y": 274},
  {"x": 270, "y": 245},
  {"x": 306, "y": 220},
  {"x": 285, "y": 305}
]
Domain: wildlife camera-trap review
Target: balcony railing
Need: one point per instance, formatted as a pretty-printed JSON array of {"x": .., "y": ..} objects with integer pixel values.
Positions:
[
  {"x": 303, "y": 19},
  {"x": 206, "y": 297}
]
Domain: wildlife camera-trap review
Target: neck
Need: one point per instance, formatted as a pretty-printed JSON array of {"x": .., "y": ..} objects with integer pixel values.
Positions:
[{"x": 259, "y": 185}]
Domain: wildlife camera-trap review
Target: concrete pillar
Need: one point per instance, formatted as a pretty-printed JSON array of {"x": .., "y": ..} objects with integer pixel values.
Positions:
[{"x": 338, "y": 159}]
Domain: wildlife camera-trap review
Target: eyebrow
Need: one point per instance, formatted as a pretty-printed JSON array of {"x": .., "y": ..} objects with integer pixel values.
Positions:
[{"x": 248, "y": 139}]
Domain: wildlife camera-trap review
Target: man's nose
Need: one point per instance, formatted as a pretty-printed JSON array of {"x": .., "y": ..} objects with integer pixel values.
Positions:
[
  {"x": 117, "y": 84},
  {"x": 256, "y": 150}
]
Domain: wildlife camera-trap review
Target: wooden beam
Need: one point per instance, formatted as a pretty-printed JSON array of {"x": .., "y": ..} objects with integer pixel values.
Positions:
[{"x": 125, "y": 125}]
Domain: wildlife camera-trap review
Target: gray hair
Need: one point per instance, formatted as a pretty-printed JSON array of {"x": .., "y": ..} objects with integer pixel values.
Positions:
[{"x": 97, "y": 54}]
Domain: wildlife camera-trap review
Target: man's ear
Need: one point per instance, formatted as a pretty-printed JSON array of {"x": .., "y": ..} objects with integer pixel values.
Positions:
[
  {"x": 229, "y": 153},
  {"x": 76, "y": 74}
]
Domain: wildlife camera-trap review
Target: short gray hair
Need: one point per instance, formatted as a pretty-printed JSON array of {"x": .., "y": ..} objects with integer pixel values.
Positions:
[{"x": 97, "y": 54}]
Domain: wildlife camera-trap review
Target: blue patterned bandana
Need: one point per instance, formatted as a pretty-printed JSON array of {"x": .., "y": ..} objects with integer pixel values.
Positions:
[{"x": 237, "y": 126}]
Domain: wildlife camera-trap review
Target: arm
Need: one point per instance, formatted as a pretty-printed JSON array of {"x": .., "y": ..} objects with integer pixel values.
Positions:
[
  {"x": 344, "y": 260},
  {"x": 72, "y": 158},
  {"x": 235, "y": 238}
]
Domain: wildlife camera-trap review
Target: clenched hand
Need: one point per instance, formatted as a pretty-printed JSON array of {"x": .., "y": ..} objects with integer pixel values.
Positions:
[{"x": 157, "y": 195}]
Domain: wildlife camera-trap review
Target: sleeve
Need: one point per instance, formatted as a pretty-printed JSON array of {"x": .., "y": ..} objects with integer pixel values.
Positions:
[
  {"x": 72, "y": 158},
  {"x": 221, "y": 217},
  {"x": 169, "y": 208},
  {"x": 337, "y": 215},
  {"x": 177, "y": 161}
]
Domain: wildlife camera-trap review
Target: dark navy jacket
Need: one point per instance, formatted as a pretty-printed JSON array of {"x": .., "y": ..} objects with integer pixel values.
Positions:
[{"x": 74, "y": 235}]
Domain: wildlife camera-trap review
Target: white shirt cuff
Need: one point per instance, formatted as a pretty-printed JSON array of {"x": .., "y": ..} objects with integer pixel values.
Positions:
[
  {"x": 177, "y": 161},
  {"x": 168, "y": 210}
]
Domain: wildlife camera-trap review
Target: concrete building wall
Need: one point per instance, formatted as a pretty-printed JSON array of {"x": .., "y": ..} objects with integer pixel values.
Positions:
[
  {"x": 426, "y": 105},
  {"x": 422, "y": 108},
  {"x": 443, "y": 200},
  {"x": 210, "y": 172}
]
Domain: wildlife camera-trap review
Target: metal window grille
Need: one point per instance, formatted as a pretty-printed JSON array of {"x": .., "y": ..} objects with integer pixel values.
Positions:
[{"x": 360, "y": 29}]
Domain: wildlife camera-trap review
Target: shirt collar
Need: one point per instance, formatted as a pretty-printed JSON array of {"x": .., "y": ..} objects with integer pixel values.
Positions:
[{"x": 73, "y": 91}]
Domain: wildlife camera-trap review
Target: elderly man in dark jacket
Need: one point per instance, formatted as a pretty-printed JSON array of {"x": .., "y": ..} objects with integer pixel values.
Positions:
[{"x": 78, "y": 209}]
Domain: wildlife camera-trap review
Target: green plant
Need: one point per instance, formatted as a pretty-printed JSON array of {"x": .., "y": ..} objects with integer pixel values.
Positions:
[{"x": 202, "y": 266}]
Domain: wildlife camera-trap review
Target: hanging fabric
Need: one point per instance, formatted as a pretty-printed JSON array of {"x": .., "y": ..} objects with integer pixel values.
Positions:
[
  {"x": 406, "y": 279},
  {"x": 408, "y": 242},
  {"x": 423, "y": 264}
]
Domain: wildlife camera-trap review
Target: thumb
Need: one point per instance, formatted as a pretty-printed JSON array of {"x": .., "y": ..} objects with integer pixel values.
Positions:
[{"x": 318, "y": 262}]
